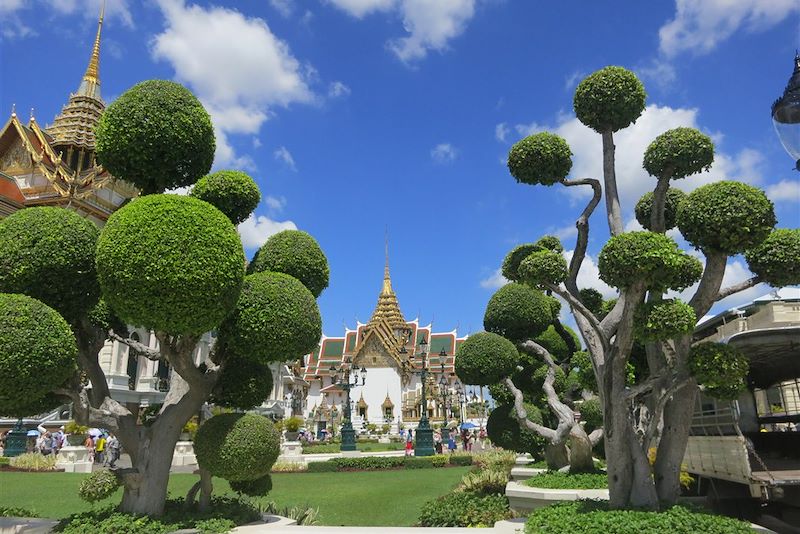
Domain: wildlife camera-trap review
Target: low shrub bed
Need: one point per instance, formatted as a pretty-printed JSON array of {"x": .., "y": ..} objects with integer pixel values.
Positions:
[
  {"x": 464, "y": 509},
  {"x": 223, "y": 515},
  {"x": 556, "y": 480},
  {"x": 13, "y": 511},
  {"x": 585, "y": 517},
  {"x": 371, "y": 463}
]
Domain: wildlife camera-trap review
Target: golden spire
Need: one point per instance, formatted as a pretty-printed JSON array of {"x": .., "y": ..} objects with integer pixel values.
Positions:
[
  {"x": 90, "y": 85},
  {"x": 387, "y": 280},
  {"x": 388, "y": 308}
]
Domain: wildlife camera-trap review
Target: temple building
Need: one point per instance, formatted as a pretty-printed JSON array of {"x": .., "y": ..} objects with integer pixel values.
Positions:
[
  {"x": 388, "y": 349},
  {"x": 55, "y": 165}
]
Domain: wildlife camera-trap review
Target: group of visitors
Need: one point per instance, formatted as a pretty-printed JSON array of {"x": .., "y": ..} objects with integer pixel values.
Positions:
[
  {"x": 104, "y": 448},
  {"x": 447, "y": 438}
]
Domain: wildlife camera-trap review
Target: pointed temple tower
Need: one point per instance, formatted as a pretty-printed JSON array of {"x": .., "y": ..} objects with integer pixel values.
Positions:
[
  {"x": 385, "y": 346},
  {"x": 55, "y": 166}
]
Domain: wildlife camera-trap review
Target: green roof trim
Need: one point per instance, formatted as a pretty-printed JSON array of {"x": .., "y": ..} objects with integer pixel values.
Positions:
[
  {"x": 333, "y": 347},
  {"x": 437, "y": 343},
  {"x": 351, "y": 341}
]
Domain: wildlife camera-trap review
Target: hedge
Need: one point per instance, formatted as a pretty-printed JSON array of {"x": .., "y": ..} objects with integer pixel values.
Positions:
[
  {"x": 373, "y": 463},
  {"x": 464, "y": 509}
]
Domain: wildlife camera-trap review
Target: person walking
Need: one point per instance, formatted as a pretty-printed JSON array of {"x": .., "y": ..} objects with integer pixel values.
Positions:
[
  {"x": 100, "y": 448},
  {"x": 410, "y": 443},
  {"x": 112, "y": 448},
  {"x": 451, "y": 441}
]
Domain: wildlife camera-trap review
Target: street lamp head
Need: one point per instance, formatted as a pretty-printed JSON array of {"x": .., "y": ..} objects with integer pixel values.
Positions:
[
  {"x": 423, "y": 346},
  {"x": 443, "y": 353},
  {"x": 363, "y": 375},
  {"x": 786, "y": 114}
]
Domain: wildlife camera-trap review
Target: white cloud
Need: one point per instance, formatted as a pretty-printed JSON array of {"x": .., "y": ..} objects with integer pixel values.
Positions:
[
  {"x": 444, "y": 153},
  {"x": 784, "y": 191},
  {"x": 237, "y": 67},
  {"x": 282, "y": 154},
  {"x": 571, "y": 81},
  {"x": 631, "y": 143},
  {"x": 699, "y": 26},
  {"x": 283, "y": 7},
  {"x": 275, "y": 204},
  {"x": 501, "y": 132},
  {"x": 431, "y": 24},
  {"x": 257, "y": 229},
  {"x": 564, "y": 232},
  {"x": 118, "y": 9},
  {"x": 494, "y": 281},
  {"x": 338, "y": 89},
  {"x": 735, "y": 271},
  {"x": 360, "y": 8}
]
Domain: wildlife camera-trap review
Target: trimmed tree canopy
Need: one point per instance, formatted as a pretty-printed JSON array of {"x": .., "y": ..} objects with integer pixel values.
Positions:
[
  {"x": 37, "y": 353},
  {"x": 650, "y": 257},
  {"x": 551, "y": 340},
  {"x": 550, "y": 242},
  {"x": 485, "y": 358},
  {"x": 295, "y": 253},
  {"x": 253, "y": 488},
  {"x": 777, "y": 259},
  {"x": 510, "y": 268},
  {"x": 722, "y": 369},
  {"x": 644, "y": 208},
  {"x": 242, "y": 384},
  {"x": 679, "y": 153},
  {"x": 609, "y": 99},
  {"x": 518, "y": 312},
  {"x": 504, "y": 430},
  {"x": 664, "y": 319},
  {"x": 541, "y": 158},
  {"x": 543, "y": 267},
  {"x": 157, "y": 136},
  {"x": 592, "y": 299},
  {"x": 237, "y": 446},
  {"x": 48, "y": 253},
  {"x": 276, "y": 319},
  {"x": 170, "y": 263},
  {"x": 234, "y": 193},
  {"x": 728, "y": 217}
]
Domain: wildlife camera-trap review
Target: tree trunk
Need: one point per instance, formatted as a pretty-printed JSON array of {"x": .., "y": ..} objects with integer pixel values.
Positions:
[
  {"x": 145, "y": 488},
  {"x": 580, "y": 451},
  {"x": 556, "y": 456},
  {"x": 672, "y": 446}
]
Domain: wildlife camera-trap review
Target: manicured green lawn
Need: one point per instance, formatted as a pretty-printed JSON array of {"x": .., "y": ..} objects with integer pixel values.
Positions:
[
  {"x": 374, "y": 498},
  {"x": 366, "y": 447}
]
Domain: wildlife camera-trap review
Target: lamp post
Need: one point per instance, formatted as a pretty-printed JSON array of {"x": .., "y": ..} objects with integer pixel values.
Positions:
[
  {"x": 461, "y": 398},
  {"x": 786, "y": 115},
  {"x": 341, "y": 376},
  {"x": 424, "y": 442}
]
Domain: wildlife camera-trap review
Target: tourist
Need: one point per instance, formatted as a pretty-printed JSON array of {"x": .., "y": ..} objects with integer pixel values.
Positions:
[
  {"x": 99, "y": 449},
  {"x": 465, "y": 439},
  {"x": 437, "y": 441},
  {"x": 46, "y": 445},
  {"x": 112, "y": 446},
  {"x": 89, "y": 444},
  {"x": 451, "y": 442},
  {"x": 410, "y": 443}
]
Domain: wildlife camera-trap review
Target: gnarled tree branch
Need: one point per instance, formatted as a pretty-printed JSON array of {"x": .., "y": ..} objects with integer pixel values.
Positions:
[
  {"x": 582, "y": 224},
  {"x": 140, "y": 349},
  {"x": 657, "y": 218},
  {"x": 708, "y": 289},
  {"x": 613, "y": 210},
  {"x": 578, "y": 307},
  {"x": 522, "y": 415},
  {"x": 741, "y": 286},
  {"x": 595, "y": 436}
]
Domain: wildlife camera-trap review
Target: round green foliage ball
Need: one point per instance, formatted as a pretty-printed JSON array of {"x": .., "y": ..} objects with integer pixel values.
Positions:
[
  {"x": 550, "y": 242},
  {"x": 511, "y": 262},
  {"x": 592, "y": 412},
  {"x": 609, "y": 99},
  {"x": 543, "y": 267},
  {"x": 104, "y": 317},
  {"x": 504, "y": 430},
  {"x": 644, "y": 208},
  {"x": 276, "y": 319},
  {"x": 518, "y": 312},
  {"x": 242, "y": 384},
  {"x": 485, "y": 358},
  {"x": 777, "y": 259},
  {"x": 157, "y": 136},
  {"x": 296, "y": 253},
  {"x": 234, "y": 193},
  {"x": 37, "y": 353},
  {"x": 541, "y": 158},
  {"x": 592, "y": 299},
  {"x": 99, "y": 485},
  {"x": 48, "y": 253},
  {"x": 720, "y": 368},
  {"x": 237, "y": 446},
  {"x": 664, "y": 319},
  {"x": 253, "y": 488},
  {"x": 650, "y": 257},
  {"x": 551, "y": 340},
  {"x": 679, "y": 153},
  {"x": 540, "y": 375},
  {"x": 500, "y": 393},
  {"x": 728, "y": 217},
  {"x": 170, "y": 263}
]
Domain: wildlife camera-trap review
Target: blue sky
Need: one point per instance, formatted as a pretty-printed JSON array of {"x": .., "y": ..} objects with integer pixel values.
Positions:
[{"x": 358, "y": 117}]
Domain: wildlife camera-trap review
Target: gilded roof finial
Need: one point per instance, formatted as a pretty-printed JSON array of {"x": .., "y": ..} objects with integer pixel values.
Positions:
[
  {"x": 90, "y": 85},
  {"x": 32, "y": 117},
  {"x": 13, "y": 110},
  {"x": 387, "y": 280}
]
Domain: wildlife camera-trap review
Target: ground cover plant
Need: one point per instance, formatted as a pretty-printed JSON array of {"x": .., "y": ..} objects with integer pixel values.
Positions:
[
  {"x": 646, "y": 396},
  {"x": 173, "y": 267},
  {"x": 556, "y": 480},
  {"x": 587, "y": 517},
  {"x": 333, "y": 494}
]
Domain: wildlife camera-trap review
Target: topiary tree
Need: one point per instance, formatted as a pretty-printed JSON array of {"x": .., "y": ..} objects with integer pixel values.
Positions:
[
  {"x": 234, "y": 193},
  {"x": 296, "y": 253},
  {"x": 172, "y": 264},
  {"x": 639, "y": 346},
  {"x": 525, "y": 360},
  {"x": 157, "y": 136}
]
